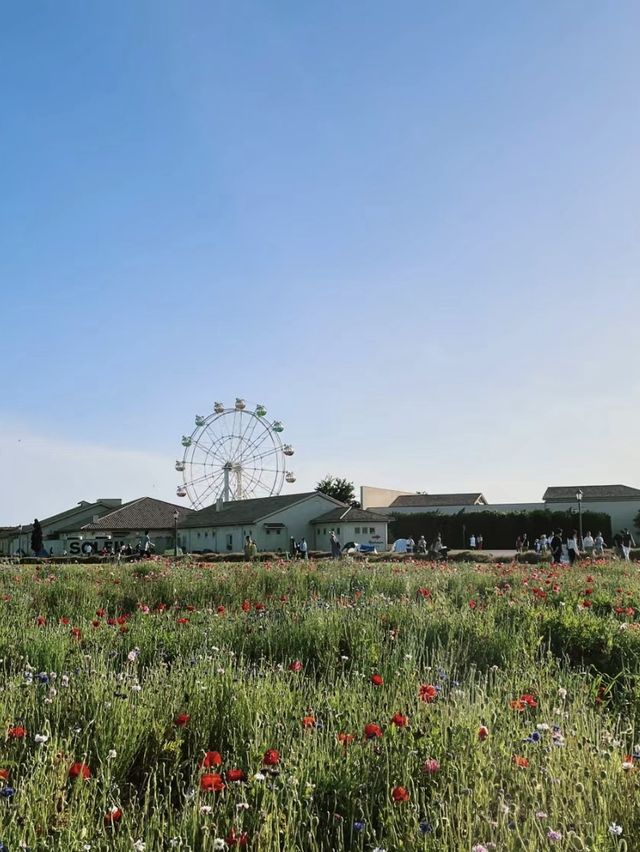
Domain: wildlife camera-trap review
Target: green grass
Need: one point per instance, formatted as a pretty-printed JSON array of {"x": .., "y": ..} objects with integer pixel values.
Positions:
[{"x": 484, "y": 635}]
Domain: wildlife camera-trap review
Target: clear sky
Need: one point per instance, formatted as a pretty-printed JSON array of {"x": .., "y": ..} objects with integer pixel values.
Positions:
[{"x": 410, "y": 229}]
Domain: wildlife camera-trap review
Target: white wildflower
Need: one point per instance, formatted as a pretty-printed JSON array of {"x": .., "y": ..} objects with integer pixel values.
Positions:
[
  {"x": 615, "y": 830},
  {"x": 41, "y": 738}
]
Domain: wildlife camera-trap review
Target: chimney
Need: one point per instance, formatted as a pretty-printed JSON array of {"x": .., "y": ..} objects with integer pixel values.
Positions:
[{"x": 219, "y": 504}]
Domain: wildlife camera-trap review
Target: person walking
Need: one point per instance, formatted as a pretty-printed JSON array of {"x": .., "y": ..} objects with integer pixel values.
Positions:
[
  {"x": 335, "y": 545},
  {"x": 572, "y": 546},
  {"x": 588, "y": 544},
  {"x": 422, "y": 544},
  {"x": 303, "y": 548},
  {"x": 599, "y": 545},
  {"x": 617, "y": 544},
  {"x": 479, "y": 541},
  {"x": 627, "y": 544},
  {"x": 556, "y": 546},
  {"x": 410, "y": 544},
  {"x": 472, "y": 541},
  {"x": 544, "y": 543}
]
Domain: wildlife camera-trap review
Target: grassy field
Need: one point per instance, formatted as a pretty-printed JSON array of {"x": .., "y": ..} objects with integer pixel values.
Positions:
[{"x": 320, "y": 706}]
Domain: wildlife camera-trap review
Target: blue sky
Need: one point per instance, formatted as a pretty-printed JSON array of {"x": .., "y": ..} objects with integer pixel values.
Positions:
[{"x": 410, "y": 229}]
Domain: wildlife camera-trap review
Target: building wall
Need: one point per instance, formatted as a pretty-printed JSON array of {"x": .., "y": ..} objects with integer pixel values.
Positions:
[
  {"x": 455, "y": 510},
  {"x": 350, "y": 532},
  {"x": 295, "y": 520},
  {"x": 370, "y": 496},
  {"x": 77, "y": 516}
]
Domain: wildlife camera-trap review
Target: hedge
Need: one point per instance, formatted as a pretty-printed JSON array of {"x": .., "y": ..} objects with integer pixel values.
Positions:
[{"x": 499, "y": 530}]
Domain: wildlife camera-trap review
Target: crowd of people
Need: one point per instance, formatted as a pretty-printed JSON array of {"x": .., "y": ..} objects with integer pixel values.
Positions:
[{"x": 569, "y": 545}]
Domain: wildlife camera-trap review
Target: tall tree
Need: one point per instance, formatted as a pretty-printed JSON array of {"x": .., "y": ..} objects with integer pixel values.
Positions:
[
  {"x": 338, "y": 488},
  {"x": 36, "y": 538}
]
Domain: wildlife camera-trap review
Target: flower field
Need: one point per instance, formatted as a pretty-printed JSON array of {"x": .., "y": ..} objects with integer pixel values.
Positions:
[{"x": 320, "y": 706}]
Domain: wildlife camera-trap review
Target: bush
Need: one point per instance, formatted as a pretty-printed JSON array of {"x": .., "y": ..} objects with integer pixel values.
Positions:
[{"x": 530, "y": 557}]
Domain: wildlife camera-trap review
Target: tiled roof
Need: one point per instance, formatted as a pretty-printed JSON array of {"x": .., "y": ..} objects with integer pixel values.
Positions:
[
  {"x": 567, "y": 493},
  {"x": 235, "y": 512},
  {"x": 81, "y": 509},
  {"x": 350, "y": 515},
  {"x": 433, "y": 500},
  {"x": 146, "y": 513}
]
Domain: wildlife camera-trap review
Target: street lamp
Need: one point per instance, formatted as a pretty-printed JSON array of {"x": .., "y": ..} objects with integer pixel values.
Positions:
[
  {"x": 579, "y": 496},
  {"x": 176, "y": 515},
  {"x": 20, "y": 541}
]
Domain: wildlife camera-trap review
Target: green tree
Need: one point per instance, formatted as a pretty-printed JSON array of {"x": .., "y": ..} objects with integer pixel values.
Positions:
[
  {"x": 338, "y": 488},
  {"x": 36, "y": 537},
  {"x": 636, "y": 521}
]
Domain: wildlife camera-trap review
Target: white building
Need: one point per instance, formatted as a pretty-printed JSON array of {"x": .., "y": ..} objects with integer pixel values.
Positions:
[
  {"x": 272, "y": 522},
  {"x": 351, "y": 525}
]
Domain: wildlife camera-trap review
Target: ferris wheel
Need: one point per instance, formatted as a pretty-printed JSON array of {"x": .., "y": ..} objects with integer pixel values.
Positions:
[{"x": 234, "y": 453}]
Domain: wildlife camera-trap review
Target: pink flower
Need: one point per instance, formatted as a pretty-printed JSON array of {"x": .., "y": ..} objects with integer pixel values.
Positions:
[{"x": 431, "y": 766}]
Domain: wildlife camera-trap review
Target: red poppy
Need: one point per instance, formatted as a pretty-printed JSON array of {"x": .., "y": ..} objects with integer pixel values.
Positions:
[
  {"x": 190, "y": 608},
  {"x": 236, "y": 775},
  {"x": 95, "y": 623},
  {"x": 521, "y": 762},
  {"x": 64, "y": 620},
  {"x": 529, "y": 700},
  {"x": 376, "y": 679},
  {"x": 271, "y": 757},
  {"x": 428, "y": 693},
  {"x": 4, "y": 774},
  {"x": 79, "y": 770},
  {"x": 220, "y": 610},
  {"x": 122, "y": 619},
  {"x": 259, "y": 607},
  {"x": 472, "y": 604},
  {"x": 182, "y": 620},
  {"x": 372, "y": 731},
  {"x": 41, "y": 621},
  {"x": 483, "y": 732},
  {"x": 211, "y": 758},
  {"x": 399, "y": 720},
  {"x": 100, "y": 612},
  {"x": 308, "y": 721},
  {"x": 112, "y": 817},
  {"x": 17, "y": 732},
  {"x": 111, "y": 622},
  {"x": 424, "y": 593},
  {"x": 295, "y": 666},
  {"x": 233, "y": 839},
  {"x": 181, "y": 720},
  {"x": 400, "y": 794},
  {"x": 246, "y": 606},
  {"x": 212, "y": 782},
  {"x": 346, "y": 739}
]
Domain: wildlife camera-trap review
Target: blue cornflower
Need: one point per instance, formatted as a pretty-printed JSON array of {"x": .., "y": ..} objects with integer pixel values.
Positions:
[
  {"x": 532, "y": 738},
  {"x": 8, "y": 792},
  {"x": 358, "y": 825},
  {"x": 43, "y": 677},
  {"x": 425, "y": 826}
]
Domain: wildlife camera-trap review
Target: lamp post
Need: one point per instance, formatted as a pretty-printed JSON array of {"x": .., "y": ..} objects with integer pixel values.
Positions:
[
  {"x": 579, "y": 496},
  {"x": 176, "y": 515},
  {"x": 20, "y": 541}
]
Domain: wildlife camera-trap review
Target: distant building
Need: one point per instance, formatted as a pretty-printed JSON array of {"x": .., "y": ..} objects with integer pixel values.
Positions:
[
  {"x": 351, "y": 524},
  {"x": 620, "y": 502},
  {"x": 17, "y": 539},
  {"x": 273, "y": 521}
]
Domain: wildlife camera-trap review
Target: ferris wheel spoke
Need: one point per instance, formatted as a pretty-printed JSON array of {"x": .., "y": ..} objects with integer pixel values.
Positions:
[
  {"x": 198, "y": 480},
  {"x": 272, "y": 452},
  {"x": 259, "y": 441},
  {"x": 245, "y": 439},
  {"x": 218, "y": 479}
]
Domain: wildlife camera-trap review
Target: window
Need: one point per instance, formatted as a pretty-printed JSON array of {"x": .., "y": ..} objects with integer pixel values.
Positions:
[
  {"x": 338, "y": 530},
  {"x": 358, "y": 530},
  {"x": 324, "y": 531},
  {"x": 278, "y": 531},
  {"x": 206, "y": 534},
  {"x": 372, "y": 529}
]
